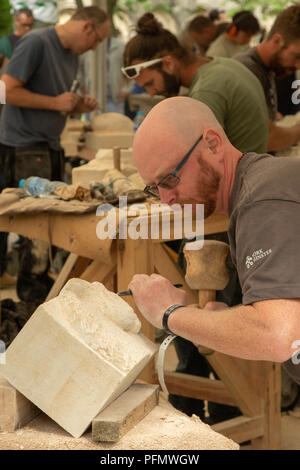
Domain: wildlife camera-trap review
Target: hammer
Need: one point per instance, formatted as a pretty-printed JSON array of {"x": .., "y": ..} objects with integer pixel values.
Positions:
[{"x": 206, "y": 272}]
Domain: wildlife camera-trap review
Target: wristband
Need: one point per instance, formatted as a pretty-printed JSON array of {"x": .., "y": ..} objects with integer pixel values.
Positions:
[{"x": 166, "y": 317}]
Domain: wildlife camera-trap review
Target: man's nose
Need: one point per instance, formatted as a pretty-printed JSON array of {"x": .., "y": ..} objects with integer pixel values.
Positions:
[
  {"x": 167, "y": 196},
  {"x": 150, "y": 91}
]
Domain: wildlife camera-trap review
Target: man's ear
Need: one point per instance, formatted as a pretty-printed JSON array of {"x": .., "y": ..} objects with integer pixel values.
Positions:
[
  {"x": 87, "y": 26},
  {"x": 212, "y": 140},
  {"x": 168, "y": 64},
  {"x": 277, "y": 41}
]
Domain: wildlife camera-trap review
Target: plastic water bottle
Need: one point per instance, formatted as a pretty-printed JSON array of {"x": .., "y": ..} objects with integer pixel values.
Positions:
[
  {"x": 40, "y": 187},
  {"x": 138, "y": 119}
]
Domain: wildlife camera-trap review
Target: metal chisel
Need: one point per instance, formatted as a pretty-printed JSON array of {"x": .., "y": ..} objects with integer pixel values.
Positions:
[{"x": 128, "y": 292}]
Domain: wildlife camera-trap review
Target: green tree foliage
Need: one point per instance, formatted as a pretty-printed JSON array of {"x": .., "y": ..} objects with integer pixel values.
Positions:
[
  {"x": 267, "y": 7},
  {"x": 5, "y": 18}
]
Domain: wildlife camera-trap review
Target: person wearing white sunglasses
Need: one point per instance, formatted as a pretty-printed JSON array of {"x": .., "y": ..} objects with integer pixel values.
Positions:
[
  {"x": 156, "y": 60},
  {"x": 133, "y": 71}
]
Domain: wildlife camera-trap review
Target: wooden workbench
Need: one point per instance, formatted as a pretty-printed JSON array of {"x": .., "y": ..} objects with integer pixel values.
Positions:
[{"x": 253, "y": 386}]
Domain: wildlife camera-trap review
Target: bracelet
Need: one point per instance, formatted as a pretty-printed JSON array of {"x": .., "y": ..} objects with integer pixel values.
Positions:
[{"x": 166, "y": 317}]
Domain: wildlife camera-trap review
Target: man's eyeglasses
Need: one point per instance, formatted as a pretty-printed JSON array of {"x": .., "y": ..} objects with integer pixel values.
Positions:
[
  {"x": 98, "y": 35},
  {"x": 171, "y": 180},
  {"x": 133, "y": 71}
]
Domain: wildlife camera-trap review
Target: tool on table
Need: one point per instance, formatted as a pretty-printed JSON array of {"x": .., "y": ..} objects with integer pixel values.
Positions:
[
  {"x": 128, "y": 292},
  {"x": 206, "y": 272}
]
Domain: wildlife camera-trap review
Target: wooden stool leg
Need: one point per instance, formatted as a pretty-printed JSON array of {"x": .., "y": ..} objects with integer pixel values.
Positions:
[{"x": 272, "y": 409}]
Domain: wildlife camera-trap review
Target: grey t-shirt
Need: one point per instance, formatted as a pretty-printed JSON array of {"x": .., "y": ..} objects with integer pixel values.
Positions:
[
  {"x": 46, "y": 68},
  {"x": 265, "y": 75},
  {"x": 264, "y": 230}
]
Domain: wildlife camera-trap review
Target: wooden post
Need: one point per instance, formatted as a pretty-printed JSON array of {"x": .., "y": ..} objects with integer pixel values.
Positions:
[{"x": 117, "y": 158}]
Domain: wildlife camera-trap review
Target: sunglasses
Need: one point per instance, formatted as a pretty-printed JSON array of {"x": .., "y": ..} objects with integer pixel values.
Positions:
[
  {"x": 171, "y": 180},
  {"x": 133, "y": 71}
]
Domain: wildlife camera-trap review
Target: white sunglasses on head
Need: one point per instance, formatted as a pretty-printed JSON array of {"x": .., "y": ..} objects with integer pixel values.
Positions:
[{"x": 133, "y": 71}]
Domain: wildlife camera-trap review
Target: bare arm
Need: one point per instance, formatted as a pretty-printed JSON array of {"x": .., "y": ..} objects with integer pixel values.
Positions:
[
  {"x": 282, "y": 137},
  {"x": 19, "y": 96},
  {"x": 263, "y": 331}
]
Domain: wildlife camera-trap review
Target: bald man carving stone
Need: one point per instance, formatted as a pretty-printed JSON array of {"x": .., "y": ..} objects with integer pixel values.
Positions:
[{"x": 260, "y": 194}]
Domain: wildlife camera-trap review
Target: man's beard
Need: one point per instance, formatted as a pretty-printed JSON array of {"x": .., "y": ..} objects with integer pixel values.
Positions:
[
  {"x": 279, "y": 70},
  {"x": 210, "y": 189},
  {"x": 171, "y": 84},
  {"x": 209, "y": 184}
]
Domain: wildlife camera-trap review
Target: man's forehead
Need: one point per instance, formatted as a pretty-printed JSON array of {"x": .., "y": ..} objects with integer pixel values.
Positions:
[{"x": 156, "y": 164}]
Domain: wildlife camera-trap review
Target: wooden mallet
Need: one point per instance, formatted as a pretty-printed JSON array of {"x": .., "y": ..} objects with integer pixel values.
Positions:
[{"x": 206, "y": 272}]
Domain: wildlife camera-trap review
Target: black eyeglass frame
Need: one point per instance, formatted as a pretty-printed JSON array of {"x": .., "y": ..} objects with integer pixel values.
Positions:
[{"x": 171, "y": 180}]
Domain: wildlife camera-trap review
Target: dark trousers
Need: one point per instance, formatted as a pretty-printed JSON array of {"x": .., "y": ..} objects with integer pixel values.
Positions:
[{"x": 21, "y": 162}]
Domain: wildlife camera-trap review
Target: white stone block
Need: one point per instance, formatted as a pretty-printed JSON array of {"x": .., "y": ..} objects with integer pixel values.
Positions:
[
  {"x": 77, "y": 353},
  {"x": 107, "y": 140},
  {"x": 96, "y": 169}
]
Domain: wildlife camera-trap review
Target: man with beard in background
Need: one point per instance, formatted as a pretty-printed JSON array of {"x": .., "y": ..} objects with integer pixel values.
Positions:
[
  {"x": 156, "y": 60},
  {"x": 276, "y": 57}
]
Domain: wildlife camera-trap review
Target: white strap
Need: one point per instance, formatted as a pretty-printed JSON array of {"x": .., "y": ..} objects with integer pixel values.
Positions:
[{"x": 160, "y": 361}]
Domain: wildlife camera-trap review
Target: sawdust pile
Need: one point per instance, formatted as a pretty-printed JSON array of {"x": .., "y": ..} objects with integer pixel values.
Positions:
[{"x": 164, "y": 428}]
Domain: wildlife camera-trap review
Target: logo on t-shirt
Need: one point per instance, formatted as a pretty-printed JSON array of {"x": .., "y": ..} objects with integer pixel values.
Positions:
[{"x": 256, "y": 256}]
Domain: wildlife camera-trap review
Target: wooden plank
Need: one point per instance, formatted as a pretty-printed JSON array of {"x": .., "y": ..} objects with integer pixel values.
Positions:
[
  {"x": 74, "y": 233},
  {"x": 166, "y": 267},
  {"x": 125, "y": 412},
  {"x": 15, "y": 409},
  {"x": 201, "y": 388},
  {"x": 216, "y": 223},
  {"x": 242, "y": 428}
]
